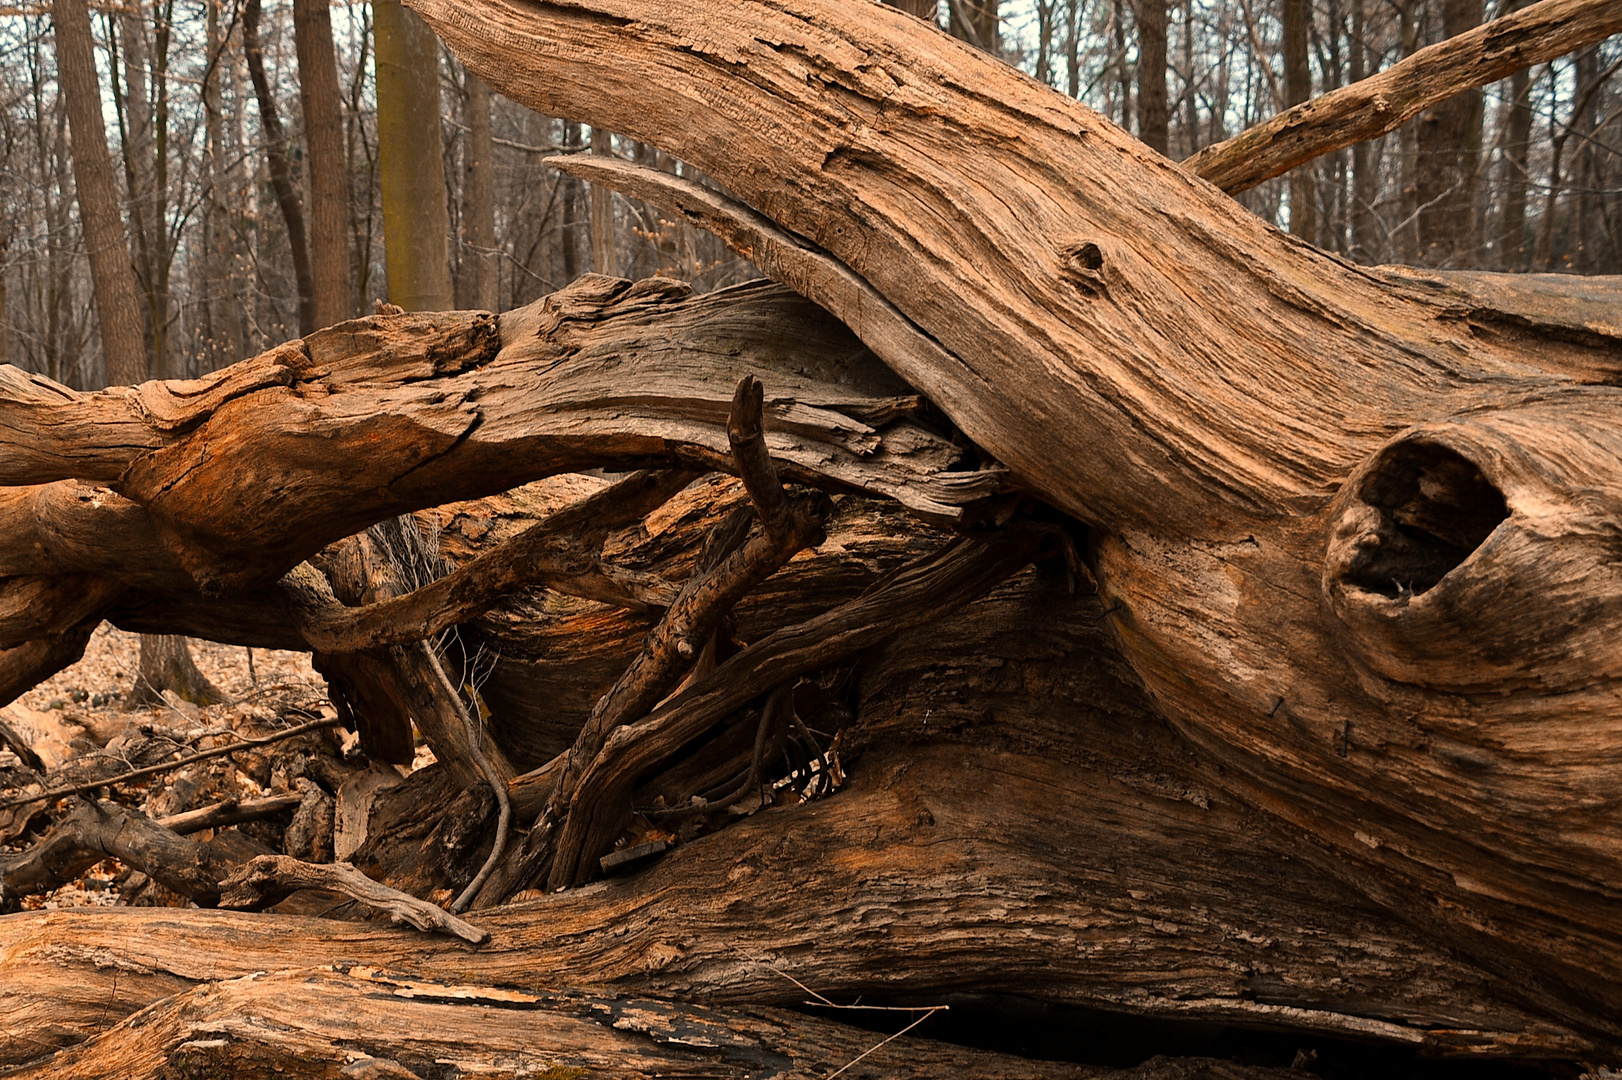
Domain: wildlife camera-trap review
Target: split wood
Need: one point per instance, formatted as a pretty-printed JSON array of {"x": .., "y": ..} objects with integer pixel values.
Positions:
[
  {"x": 229, "y": 812},
  {"x": 671, "y": 647},
  {"x": 556, "y": 552}
]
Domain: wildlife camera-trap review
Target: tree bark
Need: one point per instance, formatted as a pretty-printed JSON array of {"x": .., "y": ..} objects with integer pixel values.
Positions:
[
  {"x": 117, "y": 308},
  {"x": 328, "y": 163},
  {"x": 410, "y": 151}
]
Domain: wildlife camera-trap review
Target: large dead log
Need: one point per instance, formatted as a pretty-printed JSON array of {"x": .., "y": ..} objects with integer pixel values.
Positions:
[
  {"x": 982, "y": 852},
  {"x": 353, "y": 1021},
  {"x": 420, "y": 409},
  {"x": 1352, "y": 541},
  {"x": 1351, "y": 533}
]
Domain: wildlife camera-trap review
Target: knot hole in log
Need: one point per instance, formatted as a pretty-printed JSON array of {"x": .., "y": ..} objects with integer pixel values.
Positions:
[
  {"x": 1082, "y": 263},
  {"x": 1431, "y": 508},
  {"x": 1484, "y": 551}
]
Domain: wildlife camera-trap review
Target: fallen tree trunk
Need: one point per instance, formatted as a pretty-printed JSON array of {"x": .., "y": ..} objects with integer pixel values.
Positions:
[
  {"x": 1327, "y": 752},
  {"x": 1220, "y": 405},
  {"x": 980, "y": 852},
  {"x": 330, "y": 1021}
]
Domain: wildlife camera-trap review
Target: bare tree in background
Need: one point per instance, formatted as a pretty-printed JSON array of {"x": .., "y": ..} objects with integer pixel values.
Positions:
[
  {"x": 117, "y": 303},
  {"x": 1297, "y": 23},
  {"x": 328, "y": 163},
  {"x": 410, "y": 148}
]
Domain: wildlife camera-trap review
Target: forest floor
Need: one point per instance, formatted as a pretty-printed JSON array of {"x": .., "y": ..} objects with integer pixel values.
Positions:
[{"x": 80, "y": 716}]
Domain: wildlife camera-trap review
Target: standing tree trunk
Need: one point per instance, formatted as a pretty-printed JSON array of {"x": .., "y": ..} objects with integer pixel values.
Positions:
[
  {"x": 136, "y": 129},
  {"x": 604, "y": 248},
  {"x": 1447, "y": 157},
  {"x": 1298, "y": 88},
  {"x": 225, "y": 337},
  {"x": 480, "y": 259},
  {"x": 333, "y": 299},
  {"x": 166, "y": 664},
  {"x": 1511, "y": 233},
  {"x": 977, "y": 22},
  {"x": 281, "y": 170},
  {"x": 1154, "y": 118},
  {"x": 6, "y": 230},
  {"x": 924, "y": 9},
  {"x": 117, "y": 304},
  {"x": 411, "y": 152},
  {"x": 1366, "y": 244}
]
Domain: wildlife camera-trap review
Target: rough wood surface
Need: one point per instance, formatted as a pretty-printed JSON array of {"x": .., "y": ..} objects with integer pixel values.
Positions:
[
  {"x": 415, "y": 404},
  {"x": 353, "y": 1021},
  {"x": 1384, "y": 102},
  {"x": 978, "y": 848},
  {"x": 1217, "y": 401}
]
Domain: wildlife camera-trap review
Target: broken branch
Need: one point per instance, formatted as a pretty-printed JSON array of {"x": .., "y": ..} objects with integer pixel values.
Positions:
[
  {"x": 1386, "y": 101},
  {"x": 672, "y": 645},
  {"x": 269, "y": 879}
]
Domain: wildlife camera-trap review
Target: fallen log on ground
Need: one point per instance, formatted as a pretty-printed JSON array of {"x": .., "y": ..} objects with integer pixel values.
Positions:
[{"x": 1323, "y": 741}]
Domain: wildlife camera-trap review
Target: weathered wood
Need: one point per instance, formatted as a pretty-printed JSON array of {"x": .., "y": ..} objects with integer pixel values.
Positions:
[
  {"x": 93, "y": 831},
  {"x": 229, "y": 812},
  {"x": 269, "y": 879},
  {"x": 414, "y": 404},
  {"x": 1215, "y": 400},
  {"x": 356, "y": 1021},
  {"x": 744, "y": 560},
  {"x": 977, "y": 847},
  {"x": 555, "y": 554},
  {"x": 1388, "y": 100}
]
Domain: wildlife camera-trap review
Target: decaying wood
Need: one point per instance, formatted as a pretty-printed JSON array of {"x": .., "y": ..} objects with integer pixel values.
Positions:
[
  {"x": 1384, "y": 102},
  {"x": 1330, "y": 749},
  {"x": 554, "y": 554},
  {"x": 229, "y": 812},
  {"x": 94, "y": 831},
  {"x": 269, "y": 879},
  {"x": 452, "y": 397},
  {"x": 976, "y": 847},
  {"x": 328, "y": 1021},
  {"x": 788, "y": 525},
  {"x": 1217, "y": 402}
]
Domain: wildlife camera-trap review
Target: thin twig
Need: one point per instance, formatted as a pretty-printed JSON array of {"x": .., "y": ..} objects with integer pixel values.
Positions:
[
  {"x": 497, "y": 784},
  {"x": 824, "y": 1002},
  {"x": 886, "y": 1042},
  {"x": 168, "y": 766}
]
